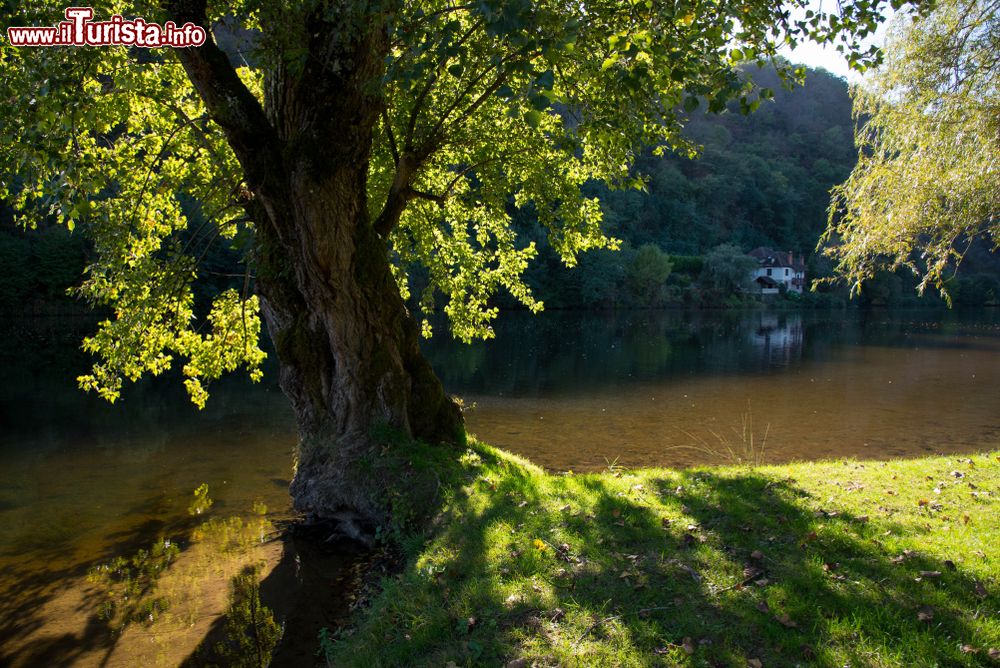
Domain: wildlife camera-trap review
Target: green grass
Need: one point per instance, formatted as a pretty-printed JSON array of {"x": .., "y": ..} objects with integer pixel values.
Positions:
[{"x": 805, "y": 564}]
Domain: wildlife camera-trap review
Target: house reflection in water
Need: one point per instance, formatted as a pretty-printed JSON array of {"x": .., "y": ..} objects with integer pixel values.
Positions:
[{"x": 778, "y": 338}]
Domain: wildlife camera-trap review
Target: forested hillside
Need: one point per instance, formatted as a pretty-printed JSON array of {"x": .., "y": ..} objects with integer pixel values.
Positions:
[{"x": 759, "y": 180}]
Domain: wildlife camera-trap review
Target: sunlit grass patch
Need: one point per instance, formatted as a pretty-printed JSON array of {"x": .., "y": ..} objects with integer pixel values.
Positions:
[{"x": 860, "y": 563}]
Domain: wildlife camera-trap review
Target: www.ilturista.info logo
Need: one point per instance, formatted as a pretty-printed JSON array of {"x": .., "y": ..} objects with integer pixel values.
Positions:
[{"x": 79, "y": 30}]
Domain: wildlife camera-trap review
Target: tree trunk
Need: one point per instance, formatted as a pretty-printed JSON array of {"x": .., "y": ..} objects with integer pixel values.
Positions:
[
  {"x": 348, "y": 350},
  {"x": 347, "y": 347}
]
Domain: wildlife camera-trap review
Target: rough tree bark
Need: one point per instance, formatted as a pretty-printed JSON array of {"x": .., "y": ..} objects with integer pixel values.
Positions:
[{"x": 347, "y": 347}]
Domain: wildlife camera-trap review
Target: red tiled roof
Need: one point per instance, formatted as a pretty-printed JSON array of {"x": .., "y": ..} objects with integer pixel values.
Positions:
[{"x": 771, "y": 257}]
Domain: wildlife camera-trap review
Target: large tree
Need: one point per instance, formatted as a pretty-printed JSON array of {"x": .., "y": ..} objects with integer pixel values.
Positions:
[
  {"x": 339, "y": 143},
  {"x": 927, "y": 182}
]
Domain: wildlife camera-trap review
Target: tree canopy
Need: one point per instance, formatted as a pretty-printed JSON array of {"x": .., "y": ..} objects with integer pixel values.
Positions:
[
  {"x": 470, "y": 105},
  {"x": 927, "y": 183}
]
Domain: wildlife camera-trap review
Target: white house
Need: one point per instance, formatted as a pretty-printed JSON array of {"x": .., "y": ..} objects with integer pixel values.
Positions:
[{"x": 777, "y": 269}]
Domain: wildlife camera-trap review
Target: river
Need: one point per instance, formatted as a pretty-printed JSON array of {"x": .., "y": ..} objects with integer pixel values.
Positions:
[{"x": 82, "y": 481}]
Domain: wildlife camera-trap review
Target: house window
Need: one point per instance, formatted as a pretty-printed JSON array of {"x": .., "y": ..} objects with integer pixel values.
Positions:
[
  {"x": 768, "y": 272},
  {"x": 786, "y": 272}
]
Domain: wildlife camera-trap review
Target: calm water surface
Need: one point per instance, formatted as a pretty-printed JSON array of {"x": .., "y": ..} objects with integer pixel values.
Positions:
[
  {"x": 574, "y": 392},
  {"x": 81, "y": 481}
]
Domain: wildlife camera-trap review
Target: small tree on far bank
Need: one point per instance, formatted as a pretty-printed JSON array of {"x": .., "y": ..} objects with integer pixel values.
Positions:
[
  {"x": 726, "y": 273},
  {"x": 648, "y": 274}
]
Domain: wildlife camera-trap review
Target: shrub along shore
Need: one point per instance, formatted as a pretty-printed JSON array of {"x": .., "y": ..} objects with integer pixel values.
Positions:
[{"x": 859, "y": 563}]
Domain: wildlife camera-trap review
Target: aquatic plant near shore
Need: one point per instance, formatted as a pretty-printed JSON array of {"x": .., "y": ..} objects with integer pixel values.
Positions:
[
  {"x": 745, "y": 449},
  {"x": 128, "y": 585}
]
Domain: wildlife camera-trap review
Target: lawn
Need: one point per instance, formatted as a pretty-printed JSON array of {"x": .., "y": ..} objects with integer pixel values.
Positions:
[{"x": 829, "y": 564}]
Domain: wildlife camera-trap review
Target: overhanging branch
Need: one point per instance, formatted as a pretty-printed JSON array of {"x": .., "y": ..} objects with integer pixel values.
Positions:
[{"x": 229, "y": 103}]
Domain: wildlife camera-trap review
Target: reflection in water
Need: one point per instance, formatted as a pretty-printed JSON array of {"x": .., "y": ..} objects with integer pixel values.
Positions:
[
  {"x": 778, "y": 337},
  {"x": 81, "y": 481}
]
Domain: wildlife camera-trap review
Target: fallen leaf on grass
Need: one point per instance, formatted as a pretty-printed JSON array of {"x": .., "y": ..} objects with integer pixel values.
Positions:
[
  {"x": 969, "y": 649},
  {"x": 757, "y": 554},
  {"x": 786, "y": 621},
  {"x": 903, "y": 557},
  {"x": 831, "y": 566},
  {"x": 981, "y": 590},
  {"x": 930, "y": 574},
  {"x": 965, "y": 519},
  {"x": 688, "y": 646},
  {"x": 754, "y": 663},
  {"x": 517, "y": 663},
  {"x": 763, "y": 606},
  {"x": 950, "y": 565},
  {"x": 616, "y": 513},
  {"x": 923, "y": 502},
  {"x": 925, "y": 614},
  {"x": 994, "y": 653}
]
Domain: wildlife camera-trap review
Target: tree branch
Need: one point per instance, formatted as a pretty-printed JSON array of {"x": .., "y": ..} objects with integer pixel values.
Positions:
[
  {"x": 229, "y": 103},
  {"x": 431, "y": 81},
  {"x": 392, "y": 138}
]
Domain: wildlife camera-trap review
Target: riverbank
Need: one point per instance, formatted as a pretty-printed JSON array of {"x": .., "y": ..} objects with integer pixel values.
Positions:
[{"x": 837, "y": 563}]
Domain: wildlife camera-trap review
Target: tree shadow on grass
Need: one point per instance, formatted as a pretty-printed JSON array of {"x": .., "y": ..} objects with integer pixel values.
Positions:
[{"x": 711, "y": 568}]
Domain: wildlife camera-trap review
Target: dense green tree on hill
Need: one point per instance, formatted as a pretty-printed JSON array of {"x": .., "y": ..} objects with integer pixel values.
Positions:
[
  {"x": 366, "y": 137},
  {"x": 647, "y": 275}
]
